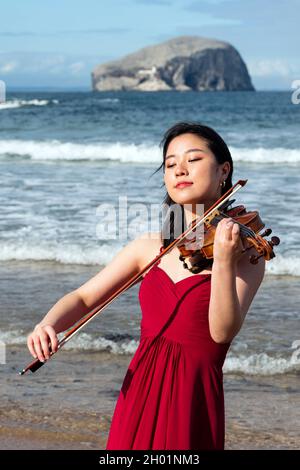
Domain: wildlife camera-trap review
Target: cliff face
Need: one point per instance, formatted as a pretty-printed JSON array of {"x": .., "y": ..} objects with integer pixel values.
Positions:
[{"x": 183, "y": 63}]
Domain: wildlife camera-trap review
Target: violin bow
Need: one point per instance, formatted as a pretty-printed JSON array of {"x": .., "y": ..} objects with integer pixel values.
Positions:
[{"x": 208, "y": 215}]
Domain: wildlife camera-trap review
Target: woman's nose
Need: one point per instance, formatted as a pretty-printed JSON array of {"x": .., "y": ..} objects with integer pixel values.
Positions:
[{"x": 180, "y": 168}]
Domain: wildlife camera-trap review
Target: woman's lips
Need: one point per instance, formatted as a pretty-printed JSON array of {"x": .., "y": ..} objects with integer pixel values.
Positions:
[{"x": 183, "y": 185}]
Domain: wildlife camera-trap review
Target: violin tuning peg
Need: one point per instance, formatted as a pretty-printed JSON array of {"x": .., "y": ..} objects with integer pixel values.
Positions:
[
  {"x": 226, "y": 204},
  {"x": 266, "y": 233},
  {"x": 275, "y": 241}
]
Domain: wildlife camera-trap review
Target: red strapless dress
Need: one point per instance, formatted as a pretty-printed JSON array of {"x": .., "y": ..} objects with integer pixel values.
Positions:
[{"x": 172, "y": 394}]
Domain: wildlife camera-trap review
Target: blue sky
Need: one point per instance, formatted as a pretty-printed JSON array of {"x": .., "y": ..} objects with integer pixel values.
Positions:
[{"x": 57, "y": 43}]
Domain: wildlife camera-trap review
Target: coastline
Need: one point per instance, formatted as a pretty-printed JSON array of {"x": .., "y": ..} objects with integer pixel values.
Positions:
[{"x": 256, "y": 419}]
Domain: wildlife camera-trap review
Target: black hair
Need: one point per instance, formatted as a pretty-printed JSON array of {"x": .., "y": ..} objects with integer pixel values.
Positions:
[{"x": 222, "y": 154}]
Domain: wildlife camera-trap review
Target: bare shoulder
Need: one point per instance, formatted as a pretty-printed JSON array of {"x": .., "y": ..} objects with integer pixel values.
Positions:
[
  {"x": 149, "y": 244},
  {"x": 127, "y": 262}
]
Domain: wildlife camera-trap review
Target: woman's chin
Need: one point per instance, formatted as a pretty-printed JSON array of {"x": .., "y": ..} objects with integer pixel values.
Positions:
[{"x": 187, "y": 200}]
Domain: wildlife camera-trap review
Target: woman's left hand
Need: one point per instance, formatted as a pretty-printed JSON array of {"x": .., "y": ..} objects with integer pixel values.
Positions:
[{"x": 228, "y": 246}]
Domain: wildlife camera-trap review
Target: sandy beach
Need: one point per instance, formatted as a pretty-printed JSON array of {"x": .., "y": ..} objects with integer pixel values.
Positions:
[
  {"x": 69, "y": 430},
  {"x": 69, "y": 402},
  {"x": 261, "y": 412}
]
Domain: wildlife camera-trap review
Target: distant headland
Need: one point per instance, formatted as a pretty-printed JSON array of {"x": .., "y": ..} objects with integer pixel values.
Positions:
[{"x": 183, "y": 63}]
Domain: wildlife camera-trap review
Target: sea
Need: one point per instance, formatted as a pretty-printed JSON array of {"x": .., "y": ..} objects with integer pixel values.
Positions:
[{"x": 68, "y": 160}]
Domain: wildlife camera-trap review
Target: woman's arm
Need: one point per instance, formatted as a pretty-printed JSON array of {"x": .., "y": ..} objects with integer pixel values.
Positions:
[
  {"x": 234, "y": 283},
  {"x": 74, "y": 305}
]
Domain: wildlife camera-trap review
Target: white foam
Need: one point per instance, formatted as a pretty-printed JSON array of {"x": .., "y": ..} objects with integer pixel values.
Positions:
[
  {"x": 56, "y": 150},
  {"x": 253, "y": 364},
  {"x": 129, "y": 152},
  {"x": 283, "y": 265},
  {"x": 12, "y": 337},
  {"x": 84, "y": 341},
  {"x": 72, "y": 253},
  {"x": 17, "y": 103},
  {"x": 261, "y": 364},
  {"x": 58, "y": 252},
  {"x": 265, "y": 155},
  {"x": 107, "y": 100},
  {"x": 80, "y": 342}
]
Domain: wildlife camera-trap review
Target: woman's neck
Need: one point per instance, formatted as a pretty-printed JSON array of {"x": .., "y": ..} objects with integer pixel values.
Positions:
[{"x": 193, "y": 212}]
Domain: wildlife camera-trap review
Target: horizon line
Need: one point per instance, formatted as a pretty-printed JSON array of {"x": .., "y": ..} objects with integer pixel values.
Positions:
[{"x": 89, "y": 89}]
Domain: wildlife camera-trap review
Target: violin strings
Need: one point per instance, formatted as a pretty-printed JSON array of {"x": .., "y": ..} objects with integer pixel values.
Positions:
[{"x": 244, "y": 229}]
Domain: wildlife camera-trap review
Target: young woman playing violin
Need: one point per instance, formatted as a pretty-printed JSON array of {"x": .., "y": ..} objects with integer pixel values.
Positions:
[{"x": 172, "y": 394}]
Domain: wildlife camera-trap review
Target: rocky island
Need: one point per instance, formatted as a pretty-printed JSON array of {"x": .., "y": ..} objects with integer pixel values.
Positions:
[{"x": 183, "y": 63}]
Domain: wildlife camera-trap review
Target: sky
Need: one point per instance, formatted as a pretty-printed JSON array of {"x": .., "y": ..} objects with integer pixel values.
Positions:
[{"x": 57, "y": 43}]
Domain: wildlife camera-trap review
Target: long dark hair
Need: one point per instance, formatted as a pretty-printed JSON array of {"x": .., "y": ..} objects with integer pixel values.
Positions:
[{"x": 222, "y": 154}]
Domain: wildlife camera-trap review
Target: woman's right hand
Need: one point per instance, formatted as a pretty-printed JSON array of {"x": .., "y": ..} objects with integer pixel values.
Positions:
[{"x": 38, "y": 342}]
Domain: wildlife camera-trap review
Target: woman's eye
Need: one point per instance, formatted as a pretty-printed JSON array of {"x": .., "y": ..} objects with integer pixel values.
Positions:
[{"x": 194, "y": 160}]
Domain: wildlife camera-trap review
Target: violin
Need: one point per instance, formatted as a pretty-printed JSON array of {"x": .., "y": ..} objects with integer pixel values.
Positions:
[{"x": 250, "y": 224}]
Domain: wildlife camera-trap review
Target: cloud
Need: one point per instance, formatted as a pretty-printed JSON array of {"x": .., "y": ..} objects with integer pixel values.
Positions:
[
  {"x": 22, "y": 68},
  {"x": 8, "y": 67},
  {"x": 76, "y": 67},
  {"x": 208, "y": 5},
  {"x": 155, "y": 2},
  {"x": 270, "y": 67},
  {"x": 17, "y": 34},
  {"x": 113, "y": 30},
  {"x": 205, "y": 20}
]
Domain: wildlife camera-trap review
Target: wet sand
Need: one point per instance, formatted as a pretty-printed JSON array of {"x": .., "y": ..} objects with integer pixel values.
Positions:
[
  {"x": 256, "y": 418},
  {"x": 68, "y": 404}
]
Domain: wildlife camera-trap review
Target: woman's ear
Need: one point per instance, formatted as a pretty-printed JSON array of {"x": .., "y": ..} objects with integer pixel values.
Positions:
[{"x": 226, "y": 170}]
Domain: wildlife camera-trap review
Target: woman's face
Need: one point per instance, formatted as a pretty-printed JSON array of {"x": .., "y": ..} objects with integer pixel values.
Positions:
[{"x": 189, "y": 159}]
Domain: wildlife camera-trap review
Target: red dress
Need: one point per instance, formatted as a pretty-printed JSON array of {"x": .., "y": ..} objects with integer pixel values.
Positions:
[{"x": 172, "y": 394}]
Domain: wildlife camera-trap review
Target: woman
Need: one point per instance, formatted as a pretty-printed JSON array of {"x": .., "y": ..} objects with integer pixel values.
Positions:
[{"x": 172, "y": 394}]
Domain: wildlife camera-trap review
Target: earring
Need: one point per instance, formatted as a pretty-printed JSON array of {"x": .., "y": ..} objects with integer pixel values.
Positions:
[{"x": 223, "y": 184}]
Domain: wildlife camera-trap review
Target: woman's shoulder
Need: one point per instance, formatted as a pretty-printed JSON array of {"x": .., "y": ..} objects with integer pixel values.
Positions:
[
  {"x": 150, "y": 240},
  {"x": 149, "y": 246}
]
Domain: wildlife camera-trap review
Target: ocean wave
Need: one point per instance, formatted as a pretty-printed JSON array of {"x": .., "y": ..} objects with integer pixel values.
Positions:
[
  {"x": 263, "y": 364},
  {"x": 73, "y": 253},
  {"x": 129, "y": 152},
  {"x": 107, "y": 100},
  {"x": 80, "y": 342},
  {"x": 87, "y": 342},
  {"x": 59, "y": 253},
  {"x": 284, "y": 265},
  {"x": 56, "y": 150},
  {"x": 20, "y": 103},
  {"x": 263, "y": 155},
  {"x": 253, "y": 364}
]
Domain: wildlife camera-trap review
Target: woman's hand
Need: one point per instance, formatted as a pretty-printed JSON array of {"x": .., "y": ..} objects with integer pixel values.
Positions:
[
  {"x": 39, "y": 340},
  {"x": 228, "y": 246}
]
